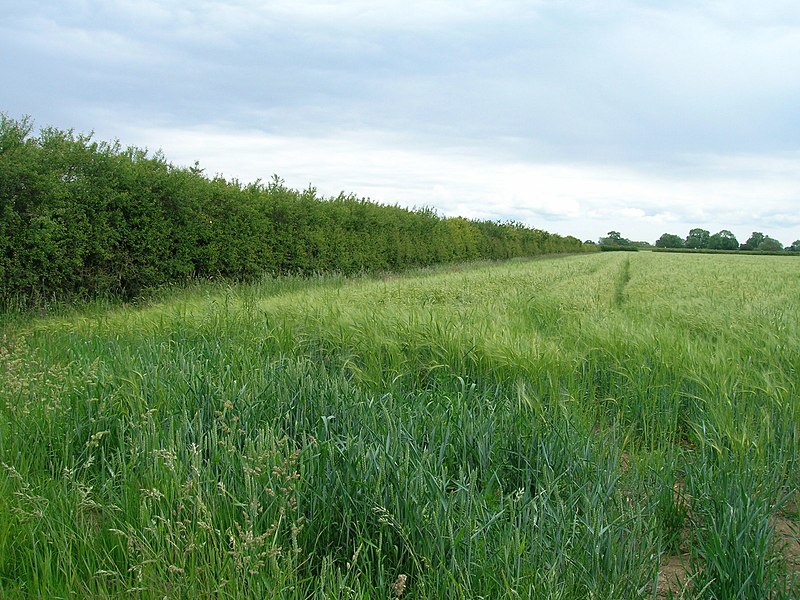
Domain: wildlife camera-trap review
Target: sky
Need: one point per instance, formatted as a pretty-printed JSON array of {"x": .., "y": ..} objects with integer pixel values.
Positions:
[{"x": 574, "y": 116}]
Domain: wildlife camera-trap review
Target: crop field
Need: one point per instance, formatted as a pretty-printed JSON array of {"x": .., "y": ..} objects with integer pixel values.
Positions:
[{"x": 606, "y": 426}]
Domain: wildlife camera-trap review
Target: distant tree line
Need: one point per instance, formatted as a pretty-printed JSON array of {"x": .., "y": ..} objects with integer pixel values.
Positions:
[
  {"x": 700, "y": 239},
  {"x": 614, "y": 242},
  {"x": 81, "y": 218}
]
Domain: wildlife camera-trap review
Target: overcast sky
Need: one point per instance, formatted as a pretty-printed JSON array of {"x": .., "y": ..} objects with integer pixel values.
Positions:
[{"x": 574, "y": 116}]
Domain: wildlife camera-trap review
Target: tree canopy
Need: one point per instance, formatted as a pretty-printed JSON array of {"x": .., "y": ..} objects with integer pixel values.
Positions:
[
  {"x": 697, "y": 238},
  {"x": 769, "y": 244},
  {"x": 669, "y": 240},
  {"x": 753, "y": 241},
  {"x": 724, "y": 240},
  {"x": 614, "y": 238}
]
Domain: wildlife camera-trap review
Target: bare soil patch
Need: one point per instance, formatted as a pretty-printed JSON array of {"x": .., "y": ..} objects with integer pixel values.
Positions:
[
  {"x": 789, "y": 541},
  {"x": 673, "y": 576}
]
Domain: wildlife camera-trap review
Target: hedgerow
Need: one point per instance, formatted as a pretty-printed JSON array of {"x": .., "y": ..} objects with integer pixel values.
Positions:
[{"x": 81, "y": 219}]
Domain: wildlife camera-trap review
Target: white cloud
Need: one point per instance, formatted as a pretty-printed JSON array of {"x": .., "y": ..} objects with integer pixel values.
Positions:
[
  {"x": 387, "y": 14},
  {"x": 578, "y": 116},
  {"x": 64, "y": 41}
]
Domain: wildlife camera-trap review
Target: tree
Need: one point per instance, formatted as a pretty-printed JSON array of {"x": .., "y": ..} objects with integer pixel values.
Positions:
[
  {"x": 698, "y": 238},
  {"x": 794, "y": 246},
  {"x": 754, "y": 241},
  {"x": 614, "y": 238},
  {"x": 669, "y": 240},
  {"x": 723, "y": 240},
  {"x": 769, "y": 244}
]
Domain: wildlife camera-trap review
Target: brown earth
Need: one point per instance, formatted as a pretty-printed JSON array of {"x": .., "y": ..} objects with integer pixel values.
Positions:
[
  {"x": 789, "y": 541},
  {"x": 673, "y": 574}
]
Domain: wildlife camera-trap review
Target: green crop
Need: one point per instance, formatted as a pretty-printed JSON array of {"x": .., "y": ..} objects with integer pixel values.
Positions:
[{"x": 533, "y": 429}]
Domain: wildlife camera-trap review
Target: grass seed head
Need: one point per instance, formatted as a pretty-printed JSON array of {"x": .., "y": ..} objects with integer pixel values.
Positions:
[{"x": 399, "y": 585}]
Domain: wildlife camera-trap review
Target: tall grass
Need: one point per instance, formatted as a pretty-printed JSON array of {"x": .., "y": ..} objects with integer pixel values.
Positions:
[{"x": 540, "y": 429}]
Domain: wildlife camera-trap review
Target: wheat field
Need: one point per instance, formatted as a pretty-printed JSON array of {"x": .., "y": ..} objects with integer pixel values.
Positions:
[{"x": 608, "y": 426}]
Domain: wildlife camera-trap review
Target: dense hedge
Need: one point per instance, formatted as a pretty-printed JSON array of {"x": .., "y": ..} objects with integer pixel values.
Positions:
[
  {"x": 618, "y": 248},
  {"x": 80, "y": 218}
]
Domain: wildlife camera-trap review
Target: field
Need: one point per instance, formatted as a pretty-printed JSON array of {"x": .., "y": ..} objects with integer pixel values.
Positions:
[{"x": 608, "y": 426}]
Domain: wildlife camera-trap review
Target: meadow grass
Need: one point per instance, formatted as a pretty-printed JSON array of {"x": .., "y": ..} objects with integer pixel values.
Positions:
[{"x": 532, "y": 429}]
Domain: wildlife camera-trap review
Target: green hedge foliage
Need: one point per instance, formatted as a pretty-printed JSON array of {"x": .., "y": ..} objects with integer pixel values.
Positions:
[
  {"x": 617, "y": 248},
  {"x": 82, "y": 219}
]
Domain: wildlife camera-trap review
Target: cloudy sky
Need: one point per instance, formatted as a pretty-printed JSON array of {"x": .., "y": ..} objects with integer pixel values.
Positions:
[{"x": 574, "y": 116}]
